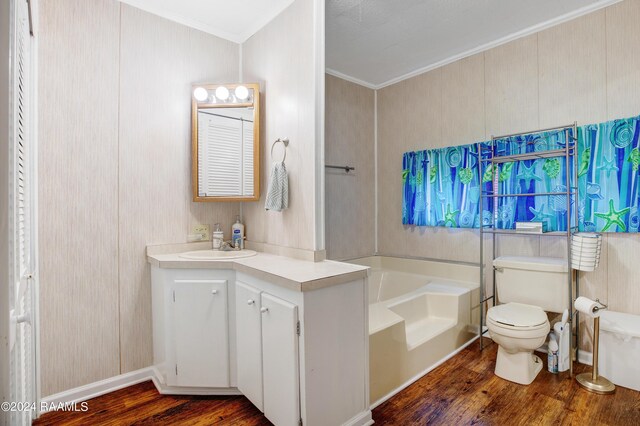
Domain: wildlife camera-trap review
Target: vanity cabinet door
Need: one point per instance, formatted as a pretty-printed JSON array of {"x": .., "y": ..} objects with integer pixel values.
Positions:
[
  {"x": 249, "y": 342},
  {"x": 200, "y": 333},
  {"x": 280, "y": 361}
]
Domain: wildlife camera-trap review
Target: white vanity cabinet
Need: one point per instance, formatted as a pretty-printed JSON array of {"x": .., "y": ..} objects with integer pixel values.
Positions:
[
  {"x": 267, "y": 346},
  {"x": 290, "y": 335},
  {"x": 280, "y": 375},
  {"x": 313, "y": 347},
  {"x": 200, "y": 330},
  {"x": 249, "y": 342},
  {"x": 191, "y": 341}
]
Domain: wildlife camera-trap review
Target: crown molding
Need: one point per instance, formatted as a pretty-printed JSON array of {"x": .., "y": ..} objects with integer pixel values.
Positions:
[
  {"x": 350, "y": 79},
  {"x": 482, "y": 48}
]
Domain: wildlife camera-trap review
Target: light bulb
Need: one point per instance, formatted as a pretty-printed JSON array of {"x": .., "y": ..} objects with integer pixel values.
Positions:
[
  {"x": 201, "y": 94},
  {"x": 222, "y": 93},
  {"x": 242, "y": 92}
]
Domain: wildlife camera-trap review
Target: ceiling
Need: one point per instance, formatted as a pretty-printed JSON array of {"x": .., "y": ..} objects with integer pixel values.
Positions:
[
  {"x": 379, "y": 42},
  {"x": 234, "y": 20}
]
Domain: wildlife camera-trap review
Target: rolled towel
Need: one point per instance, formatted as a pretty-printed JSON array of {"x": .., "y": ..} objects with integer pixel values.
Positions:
[{"x": 278, "y": 191}]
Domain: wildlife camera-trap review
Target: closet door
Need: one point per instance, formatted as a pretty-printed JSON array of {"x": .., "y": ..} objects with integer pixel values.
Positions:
[
  {"x": 280, "y": 361},
  {"x": 249, "y": 342},
  {"x": 22, "y": 271}
]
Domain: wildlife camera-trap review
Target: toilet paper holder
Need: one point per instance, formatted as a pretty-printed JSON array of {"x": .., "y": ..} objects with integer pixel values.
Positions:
[
  {"x": 592, "y": 381},
  {"x": 598, "y": 308}
]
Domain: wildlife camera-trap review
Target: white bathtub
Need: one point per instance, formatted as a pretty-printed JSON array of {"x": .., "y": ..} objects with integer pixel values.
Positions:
[{"x": 420, "y": 313}]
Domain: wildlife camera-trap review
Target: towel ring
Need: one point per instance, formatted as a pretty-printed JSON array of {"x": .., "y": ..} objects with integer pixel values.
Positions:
[{"x": 285, "y": 142}]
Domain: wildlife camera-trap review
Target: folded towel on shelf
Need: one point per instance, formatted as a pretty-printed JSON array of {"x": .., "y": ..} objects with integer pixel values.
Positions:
[{"x": 278, "y": 192}]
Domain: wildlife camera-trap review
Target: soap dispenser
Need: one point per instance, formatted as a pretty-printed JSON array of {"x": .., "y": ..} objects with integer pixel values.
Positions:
[
  {"x": 237, "y": 233},
  {"x": 218, "y": 237}
]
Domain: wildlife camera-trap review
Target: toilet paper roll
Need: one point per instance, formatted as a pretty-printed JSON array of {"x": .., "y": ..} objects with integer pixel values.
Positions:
[{"x": 587, "y": 307}]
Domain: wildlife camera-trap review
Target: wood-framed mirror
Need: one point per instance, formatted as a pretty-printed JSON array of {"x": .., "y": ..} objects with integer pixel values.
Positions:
[{"x": 225, "y": 142}]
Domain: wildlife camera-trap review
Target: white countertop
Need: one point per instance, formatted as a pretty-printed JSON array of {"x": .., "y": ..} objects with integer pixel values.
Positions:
[{"x": 295, "y": 274}]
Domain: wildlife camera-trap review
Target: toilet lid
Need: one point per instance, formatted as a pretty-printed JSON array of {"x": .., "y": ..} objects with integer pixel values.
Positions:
[{"x": 517, "y": 315}]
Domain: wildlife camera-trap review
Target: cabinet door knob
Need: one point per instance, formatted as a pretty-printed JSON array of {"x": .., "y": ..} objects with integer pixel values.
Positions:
[
  {"x": 264, "y": 310},
  {"x": 250, "y": 302},
  {"x": 214, "y": 291}
]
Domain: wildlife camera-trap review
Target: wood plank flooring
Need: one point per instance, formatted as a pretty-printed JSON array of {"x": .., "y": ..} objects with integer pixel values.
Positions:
[
  {"x": 462, "y": 391},
  {"x": 142, "y": 405},
  {"x": 465, "y": 391}
]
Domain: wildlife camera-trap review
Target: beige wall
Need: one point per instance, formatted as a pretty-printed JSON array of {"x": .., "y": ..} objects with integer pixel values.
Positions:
[
  {"x": 114, "y": 137},
  {"x": 586, "y": 70},
  {"x": 350, "y": 197},
  {"x": 281, "y": 57}
]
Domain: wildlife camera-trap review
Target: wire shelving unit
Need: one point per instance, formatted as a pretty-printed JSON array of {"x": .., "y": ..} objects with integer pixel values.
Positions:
[{"x": 489, "y": 156}]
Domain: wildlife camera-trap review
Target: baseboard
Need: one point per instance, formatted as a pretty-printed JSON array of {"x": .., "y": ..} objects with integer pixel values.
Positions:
[
  {"x": 362, "y": 419},
  {"x": 585, "y": 357},
  {"x": 112, "y": 384},
  {"x": 189, "y": 390},
  {"x": 419, "y": 375},
  {"x": 95, "y": 389}
]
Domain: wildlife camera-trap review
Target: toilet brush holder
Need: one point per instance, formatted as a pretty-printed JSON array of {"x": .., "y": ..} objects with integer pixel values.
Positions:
[{"x": 591, "y": 381}]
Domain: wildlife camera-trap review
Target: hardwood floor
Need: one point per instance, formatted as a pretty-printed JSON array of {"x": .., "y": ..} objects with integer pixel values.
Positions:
[
  {"x": 465, "y": 391},
  {"x": 142, "y": 405},
  {"x": 462, "y": 391}
]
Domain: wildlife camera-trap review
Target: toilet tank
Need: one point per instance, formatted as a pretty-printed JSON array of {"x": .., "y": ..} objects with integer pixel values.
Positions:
[{"x": 539, "y": 281}]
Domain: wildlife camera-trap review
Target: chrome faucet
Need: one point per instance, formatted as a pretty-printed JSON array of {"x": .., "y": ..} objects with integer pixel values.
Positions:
[{"x": 229, "y": 246}]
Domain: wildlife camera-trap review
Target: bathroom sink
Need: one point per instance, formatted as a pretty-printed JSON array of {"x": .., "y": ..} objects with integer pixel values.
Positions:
[{"x": 216, "y": 254}]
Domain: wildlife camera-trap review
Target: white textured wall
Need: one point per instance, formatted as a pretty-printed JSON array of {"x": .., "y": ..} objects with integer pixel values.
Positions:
[
  {"x": 281, "y": 57},
  {"x": 350, "y": 197},
  {"x": 114, "y": 135},
  {"x": 586, "y": 70},
  {"x": 78, "y": 192},
  {"x": 159, "y": 61}
]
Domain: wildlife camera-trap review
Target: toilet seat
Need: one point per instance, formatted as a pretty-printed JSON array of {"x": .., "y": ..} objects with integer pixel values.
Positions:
[
  {"x": 517, "y": 315},
  {"x": 518, "y": 320}
]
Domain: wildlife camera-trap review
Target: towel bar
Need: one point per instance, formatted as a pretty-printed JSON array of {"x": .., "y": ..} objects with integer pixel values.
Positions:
[
  {"x": 345, "y": 168},
  {"x": 285, "y": 142}
]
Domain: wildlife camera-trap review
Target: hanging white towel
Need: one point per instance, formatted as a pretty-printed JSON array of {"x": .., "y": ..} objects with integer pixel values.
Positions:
[{"x": 278, "y": 192}]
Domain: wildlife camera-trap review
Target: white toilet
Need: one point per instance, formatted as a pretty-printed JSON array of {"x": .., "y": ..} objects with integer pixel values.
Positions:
[{"x": 526, "y": 287}]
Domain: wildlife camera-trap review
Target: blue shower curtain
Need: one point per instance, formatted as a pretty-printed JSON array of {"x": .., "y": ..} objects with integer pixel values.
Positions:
[
  {"x": 442, "y": 187},
  {"x": 608, "y": 176}
]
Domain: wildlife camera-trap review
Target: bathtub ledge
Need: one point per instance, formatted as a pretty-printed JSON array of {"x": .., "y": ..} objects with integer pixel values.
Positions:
[{"x": 381, "y": 318}]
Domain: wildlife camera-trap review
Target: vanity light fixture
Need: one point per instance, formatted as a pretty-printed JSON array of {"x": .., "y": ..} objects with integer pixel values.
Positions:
[
  {"x": 222, "y": 93},
  {"x": 201, "y": 94},
  {"x": 242, "y": 93}
]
